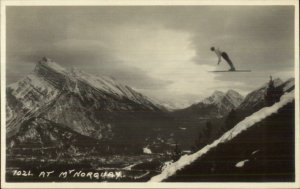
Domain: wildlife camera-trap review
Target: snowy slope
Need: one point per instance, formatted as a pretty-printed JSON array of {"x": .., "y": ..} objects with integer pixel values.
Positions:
[
  {"x": 240, "y": 127},
  {"x": 288, "y": 85},
  {"x": 25, "y": 97}
]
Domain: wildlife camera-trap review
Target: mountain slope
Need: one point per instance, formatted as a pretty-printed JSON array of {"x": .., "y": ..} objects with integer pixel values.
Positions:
[
  {"x": 256, "y": 99},
  {"x": 252, "y": 103},
  {"x": 257, "y": 119},
  {"x": 73, "y": 97},
  {"x": 41, "y": 138},
  {"x": 215, "y": 106}
]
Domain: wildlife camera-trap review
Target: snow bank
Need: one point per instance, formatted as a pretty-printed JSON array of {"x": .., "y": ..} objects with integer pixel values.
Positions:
[
  {"x": 166, "y": 165},
  {"x": 129, "y": 167},
  {"x": 147, "y": 150},
  {"x": 241, "y": 163},
  {"x": 289, "y": 84},
  {"x": 255, "y": 152},
  {"x": 240, "y": 127}
]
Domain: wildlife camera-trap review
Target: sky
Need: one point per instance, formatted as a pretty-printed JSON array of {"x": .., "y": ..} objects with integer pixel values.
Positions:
[{"x": 160, "y": 51}]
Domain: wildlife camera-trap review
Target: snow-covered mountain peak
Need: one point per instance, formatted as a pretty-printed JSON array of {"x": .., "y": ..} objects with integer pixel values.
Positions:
[
  {"x": 77, "y": 81},
  {"x": 50, "y": 64},
  {"x": 234, "y": 97},
  {"x": 216, "y": 97},
  {"x": 68, "y": 79},
  {"x": 231, "y": 92},
  {"x": 53, "y": 90},
  {"x": 218, "y": 93},
  {"x": 216, "y": 105}
]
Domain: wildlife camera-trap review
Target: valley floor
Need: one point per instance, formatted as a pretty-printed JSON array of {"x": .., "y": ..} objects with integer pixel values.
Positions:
[{"x": 110, "y": 168}]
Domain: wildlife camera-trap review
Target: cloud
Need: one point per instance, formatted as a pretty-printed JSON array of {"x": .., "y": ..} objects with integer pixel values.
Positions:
[{"x": 162, "y": 51}]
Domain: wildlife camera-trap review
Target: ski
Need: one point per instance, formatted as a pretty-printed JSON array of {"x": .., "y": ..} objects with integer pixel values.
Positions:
[{"x": 231, "y": 71}]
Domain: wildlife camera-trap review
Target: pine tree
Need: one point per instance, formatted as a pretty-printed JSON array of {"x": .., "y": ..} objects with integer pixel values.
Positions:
[
  {"x": 204, "y": 136},
  {"x": 272, "y": 94},
  {"x": 176, "y": 153},
  {"x": 231, "y": 120}
]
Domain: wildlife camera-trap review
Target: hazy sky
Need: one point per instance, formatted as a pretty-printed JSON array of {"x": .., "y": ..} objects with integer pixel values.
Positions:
[{"x": 161, "y": 51}]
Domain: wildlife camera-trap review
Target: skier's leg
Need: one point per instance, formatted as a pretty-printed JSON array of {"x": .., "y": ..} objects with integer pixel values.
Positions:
[{"x": 226, "y": 57}]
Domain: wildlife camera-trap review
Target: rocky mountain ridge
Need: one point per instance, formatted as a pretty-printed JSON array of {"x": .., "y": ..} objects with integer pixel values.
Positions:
[
  {"x": 215, "y": 106},
  {"x": 86, "y": 103},
  {"x": 256, "y": 99}
]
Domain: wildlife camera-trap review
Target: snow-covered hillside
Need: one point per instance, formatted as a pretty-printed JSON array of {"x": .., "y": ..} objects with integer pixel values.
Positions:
[{"x": 229, "y": 135}]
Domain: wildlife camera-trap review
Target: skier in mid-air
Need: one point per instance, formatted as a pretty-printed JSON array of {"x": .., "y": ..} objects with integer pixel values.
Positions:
[{"x": 224, "y": 55}]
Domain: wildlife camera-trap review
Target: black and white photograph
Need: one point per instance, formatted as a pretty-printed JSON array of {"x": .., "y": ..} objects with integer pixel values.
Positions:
[{"x": 187, "y": 94}]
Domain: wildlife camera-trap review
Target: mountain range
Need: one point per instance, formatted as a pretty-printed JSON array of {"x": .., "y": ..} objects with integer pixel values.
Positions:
[
  {"x": 106, "y": 110},
  {"x": 215, "y": 106}
]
